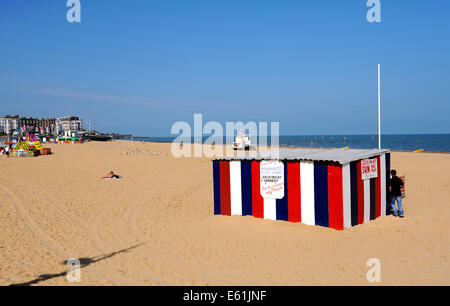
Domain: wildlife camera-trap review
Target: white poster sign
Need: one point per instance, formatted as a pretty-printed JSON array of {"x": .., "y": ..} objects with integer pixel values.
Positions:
[
  {"x": 272, "y": 179},
  {"x": 369, "y": 169}
]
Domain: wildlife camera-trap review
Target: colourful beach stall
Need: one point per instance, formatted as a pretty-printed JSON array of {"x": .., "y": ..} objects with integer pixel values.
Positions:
[{"x": 334, "y": 188}]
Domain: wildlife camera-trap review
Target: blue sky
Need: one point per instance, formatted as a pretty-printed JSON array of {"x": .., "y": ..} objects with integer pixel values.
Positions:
[{"x": 138, "y": 66}]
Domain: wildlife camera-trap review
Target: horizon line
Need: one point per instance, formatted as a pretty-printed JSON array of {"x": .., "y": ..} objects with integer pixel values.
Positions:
[{"x": 386, "y": 134}]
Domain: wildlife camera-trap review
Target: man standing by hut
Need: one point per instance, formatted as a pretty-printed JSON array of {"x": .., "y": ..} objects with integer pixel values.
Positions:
[{"x": 395, "y": 185}]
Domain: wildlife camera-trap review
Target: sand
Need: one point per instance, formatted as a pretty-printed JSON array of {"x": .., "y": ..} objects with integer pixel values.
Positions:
[{"x": 156, "y": 225}]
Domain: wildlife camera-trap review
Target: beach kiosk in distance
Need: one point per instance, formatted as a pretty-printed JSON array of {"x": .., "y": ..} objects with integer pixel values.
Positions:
[
  {"x": 69, "y": 137},
  {"x": 242, "y": 142},
  {"x": 334, "y": 188}
]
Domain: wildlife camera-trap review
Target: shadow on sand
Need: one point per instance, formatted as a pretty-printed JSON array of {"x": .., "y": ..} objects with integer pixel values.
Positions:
[{"x": 83, "y": 263}]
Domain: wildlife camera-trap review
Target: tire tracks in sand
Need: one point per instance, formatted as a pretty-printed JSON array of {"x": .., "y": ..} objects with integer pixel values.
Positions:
[
  {"x": 127, "y": 227},
  {"x": 46, "y": 239}
]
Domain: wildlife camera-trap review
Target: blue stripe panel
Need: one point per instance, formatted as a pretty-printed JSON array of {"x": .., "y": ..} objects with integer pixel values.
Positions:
[
  {"x": 282, "y": 204},
  {"x": 246, "y": 181},
  {"x": 321, "y": 193},
  {"x": 354, "y": 193},
  {"x": 216, "y": 183},
  {"x": 388, "y": 175}
]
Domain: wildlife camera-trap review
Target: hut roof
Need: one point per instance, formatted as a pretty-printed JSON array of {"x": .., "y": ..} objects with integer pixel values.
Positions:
[{"x": 341, "y": 156}]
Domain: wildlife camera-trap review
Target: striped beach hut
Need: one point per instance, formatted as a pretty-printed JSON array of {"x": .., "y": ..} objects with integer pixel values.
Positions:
[{"x": 333, "y": 188}]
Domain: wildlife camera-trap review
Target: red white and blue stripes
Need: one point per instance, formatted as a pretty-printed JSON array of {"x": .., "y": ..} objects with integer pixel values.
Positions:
[{"x": 315, "y": 193}]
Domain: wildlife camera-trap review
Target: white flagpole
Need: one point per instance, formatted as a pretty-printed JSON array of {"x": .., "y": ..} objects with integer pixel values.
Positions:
[{"x": 379, "y": 108}]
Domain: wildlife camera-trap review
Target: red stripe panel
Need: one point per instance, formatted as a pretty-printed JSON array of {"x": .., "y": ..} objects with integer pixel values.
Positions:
[
  {"x": 378, "y": 190},
  {"x": 294, "y": 196},
  {"x": 257, "y": 199},
  {"x": 335, "y": 197},
  {"x": 225, "y": 198},
  {"x": 360, "y": 194}
]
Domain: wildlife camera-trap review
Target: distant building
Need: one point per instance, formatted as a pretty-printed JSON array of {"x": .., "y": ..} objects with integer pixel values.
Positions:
[
  {"x": 45, "y": 126},
  {"x": 2, "y": 125},
  {"x": 69, "y": 123},
  {"x": 9, "y": 124},
  {"x": 48, "y": 126}
]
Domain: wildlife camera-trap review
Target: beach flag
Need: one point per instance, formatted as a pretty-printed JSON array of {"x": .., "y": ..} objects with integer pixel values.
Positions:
[{"x": 315, "y": 193}]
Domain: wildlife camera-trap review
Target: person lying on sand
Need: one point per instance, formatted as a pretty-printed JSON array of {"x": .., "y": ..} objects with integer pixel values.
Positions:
[{"x": 111, "y": 175}]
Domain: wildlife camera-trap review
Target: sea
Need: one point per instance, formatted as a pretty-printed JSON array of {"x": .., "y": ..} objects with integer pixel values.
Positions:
[{"x": 404, "y": 142}]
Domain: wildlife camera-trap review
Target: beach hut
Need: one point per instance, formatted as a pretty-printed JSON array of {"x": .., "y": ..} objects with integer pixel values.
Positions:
[{"x": 334, "y": 188}]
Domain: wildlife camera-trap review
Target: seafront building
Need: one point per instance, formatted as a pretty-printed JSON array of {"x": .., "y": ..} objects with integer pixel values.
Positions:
[
  {"x": 8, "y": 124},
  {"x": 46, "y": 126},
  {"x": 69, "y": 123},
  {"x": 49, "y": 126}
]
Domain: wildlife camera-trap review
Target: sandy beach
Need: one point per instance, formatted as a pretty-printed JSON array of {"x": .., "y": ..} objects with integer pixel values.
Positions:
[{"x": 156, "y": 225}]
